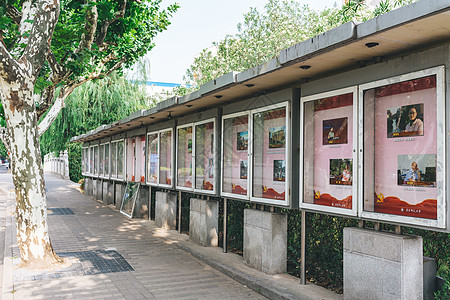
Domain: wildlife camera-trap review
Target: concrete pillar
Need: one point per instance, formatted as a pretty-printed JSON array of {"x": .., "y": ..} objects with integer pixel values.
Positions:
[
  {"x": 265, "y": 241},
  {"x": 99, "y": 189},
  {"x": 141, "y": 205},
  {"x": 66, "y": 165},
  {"x": 119, "y": 192},
  {"x": 380, "y": 265},
  {"x": 88, "y": 186},
  {"x": 108, "y": 192},
  {"x": 204, "y": 222},
  {"x": 166, "y": 210}
]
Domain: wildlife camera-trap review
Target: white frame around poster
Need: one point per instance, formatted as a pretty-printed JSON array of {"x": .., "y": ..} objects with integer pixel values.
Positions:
[
  {"x": 231, "y": 195},
  {"x": 148, "y": 157},
  {"x": 182, "y": 188},
  {"x": 287, "y": 199},
  {"x": 323, "y": 208},
  {"x": 439, "y": 72},
  {"x": 194, "y": 161},
  {"x": 171, "y": 157}
]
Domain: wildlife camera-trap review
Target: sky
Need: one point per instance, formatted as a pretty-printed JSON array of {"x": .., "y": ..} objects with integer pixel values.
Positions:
[{"x": 195, "y": 25}]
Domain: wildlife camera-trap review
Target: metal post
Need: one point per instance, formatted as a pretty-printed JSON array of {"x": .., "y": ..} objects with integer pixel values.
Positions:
[
  {"x": 179, "y": 212},
  {"x": 398, "y": 229},
  {"x": 272, "y": 209},
  {"x": 149, "y": 202},
  {"x": 361, "y": 224},
  {"x": 262, "y": 207},
  {"x": 303, "y": 249},
  {"x": 377, "y": 226},
  {"x": 225, "y": 219}
]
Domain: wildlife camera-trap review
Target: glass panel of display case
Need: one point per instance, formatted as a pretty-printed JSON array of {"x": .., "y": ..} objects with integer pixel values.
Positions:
[
  {"x": 120, "y": 159},
  {"x": 101, "y": 160},
  {"x": 204, "y": 156},
  {"x": 269, "y": 154},
  {"x": 184, "y": 157},
  {"x": 152, "y": 141},
  {"x": 328, "y": 151},
  {"x": 114, "y": 159},
  {"x": 165, "y": 158},
  {"x": 235, "y": 155},
  {"x": 400, "y": 148},
  {"x": 91, "y": 160},
  {"x": 107, "y": 159},
  {"x": 95, "y": 160}
]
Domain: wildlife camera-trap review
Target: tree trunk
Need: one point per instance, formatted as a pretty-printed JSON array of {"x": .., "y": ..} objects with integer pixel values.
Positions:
[{"x": 31, "y": 202}]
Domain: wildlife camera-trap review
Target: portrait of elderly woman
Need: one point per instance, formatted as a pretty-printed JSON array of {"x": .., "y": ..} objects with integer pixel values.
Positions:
[{"x": 405, "y": 120}]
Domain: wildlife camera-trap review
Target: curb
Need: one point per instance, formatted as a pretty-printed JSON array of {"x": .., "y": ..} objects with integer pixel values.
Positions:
[{"x": 8, "y": 275}]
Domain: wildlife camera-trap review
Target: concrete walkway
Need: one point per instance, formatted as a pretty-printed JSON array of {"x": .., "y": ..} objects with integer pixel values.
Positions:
[{"x": 119, "y": 258}]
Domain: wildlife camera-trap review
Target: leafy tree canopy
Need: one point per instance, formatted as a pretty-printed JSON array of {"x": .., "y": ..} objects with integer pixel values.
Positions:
[
  {"x": 262, "y": 35},
  {"x": 91, "y": 40}
]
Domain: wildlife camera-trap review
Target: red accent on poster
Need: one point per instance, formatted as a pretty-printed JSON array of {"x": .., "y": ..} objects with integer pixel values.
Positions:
[
  {"x": 392, "y": 205},
  {"x": 334, "y": 102}
]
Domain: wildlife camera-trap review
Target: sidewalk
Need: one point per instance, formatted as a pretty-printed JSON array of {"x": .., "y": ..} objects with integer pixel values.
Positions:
[{"x": 120, "y": 258}]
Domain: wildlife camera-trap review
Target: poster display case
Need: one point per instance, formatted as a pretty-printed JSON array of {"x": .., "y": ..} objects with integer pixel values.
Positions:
[
  {"x": 130, "y": 159},
  {"x": 204, "y": 156},
  {"x": 152, "y": 159},
  {"x": 165, "y": 158},
  {"x": 85, "y": 160},
  {"x": 107, "y": 159},
  {"x": 196, "y": 147},
  {"x": 329, "y": 160},
  {"x": 270, "y": 157},
  {"x": 184, "y": 157},
  {"x": 140, "y": 159},
  {"x": 120, "y": 159},
  {"x": 403, "y": 126},
  {"x": 95, "y": 150},
  {"x": 101, "y": 160},
  {"x": 235, "y": 155}
]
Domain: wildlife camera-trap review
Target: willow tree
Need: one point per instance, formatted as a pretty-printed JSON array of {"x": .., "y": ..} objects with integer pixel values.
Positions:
[{"x": 48, "y": 48}]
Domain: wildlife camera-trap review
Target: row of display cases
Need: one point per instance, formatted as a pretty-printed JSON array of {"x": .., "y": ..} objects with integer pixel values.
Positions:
[{"x": 375, "y": 150}]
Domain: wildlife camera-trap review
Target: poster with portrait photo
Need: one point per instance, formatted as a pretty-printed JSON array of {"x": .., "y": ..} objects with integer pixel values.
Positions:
[
  {"x": 335, "y": 131},
  {"x": 406, "y": 120},
  {"x": 277, "y": 137},
  {"x": 279, "y": 170},
  {"x": 416, "y": 170},
  {"x": 397, "y": 188},
  {"x": 242, "y": 140},
  {"x": 341, "y": 171}
]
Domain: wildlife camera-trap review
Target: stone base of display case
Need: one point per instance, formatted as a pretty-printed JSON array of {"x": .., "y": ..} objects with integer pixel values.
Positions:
[
  {"x": 265, "y": 241},
  {"x": 108, "y": 192},
  {"x": 141, "y": 206},
  {"x": 166, "y": 210},
  {"x": 203, "y": 222},
  {"x": 380, "y": 265},
  {"x": 88, "y": 186},
  {"x": 119, "y": 192}
]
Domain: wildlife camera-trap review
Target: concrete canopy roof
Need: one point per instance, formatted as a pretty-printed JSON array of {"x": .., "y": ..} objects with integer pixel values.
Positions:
[{"x": 410, "y": 28}]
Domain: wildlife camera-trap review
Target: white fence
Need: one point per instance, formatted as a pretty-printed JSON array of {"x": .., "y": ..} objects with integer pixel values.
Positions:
[{"x": 57, "y": 165}]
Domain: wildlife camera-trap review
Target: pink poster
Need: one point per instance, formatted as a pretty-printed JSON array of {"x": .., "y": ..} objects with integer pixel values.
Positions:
[
  {"x": 269, "y": 165},
  {"x": 405, "y": 146},
  {"x": 204, "y": 156},
  {"x": 235, "y": 155},
  {"x": 333, "y": 151},
  {"x": 152, "y": 144},
  {"x": 184, "y": 157},
  {"x": 165, "y": 159}
]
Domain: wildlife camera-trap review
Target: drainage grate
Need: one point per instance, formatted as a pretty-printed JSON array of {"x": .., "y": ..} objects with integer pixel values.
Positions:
[
  {"x": 61, "y": 211},
  {"x": 89, "y": 263}
]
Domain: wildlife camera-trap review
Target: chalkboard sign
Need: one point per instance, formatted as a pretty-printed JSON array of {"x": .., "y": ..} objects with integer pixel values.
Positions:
[{"x": 129, "y": 199}]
